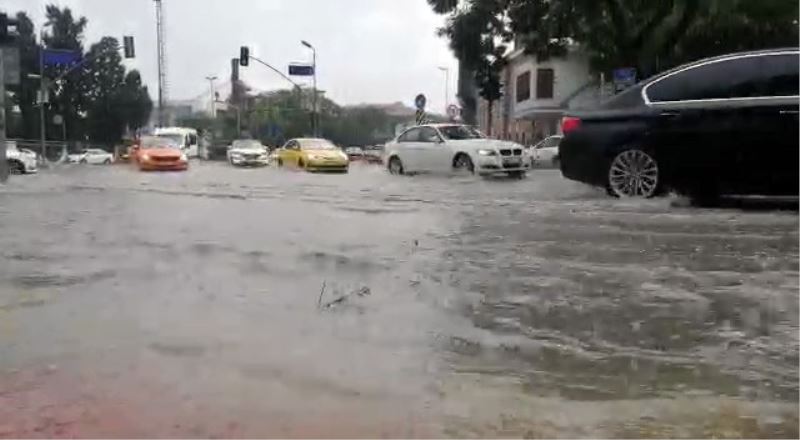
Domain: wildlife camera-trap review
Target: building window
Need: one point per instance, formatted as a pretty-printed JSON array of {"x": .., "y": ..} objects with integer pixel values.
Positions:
[
  {"x": 524, "y": 87},
  {"x": 544, "y": 83}
]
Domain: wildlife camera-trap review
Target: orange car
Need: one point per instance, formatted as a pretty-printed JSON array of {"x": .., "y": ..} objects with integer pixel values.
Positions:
[{"x": 153, "y": 153}]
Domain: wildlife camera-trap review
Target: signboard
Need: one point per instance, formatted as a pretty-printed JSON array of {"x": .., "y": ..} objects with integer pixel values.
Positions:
[
  {"x": 453, "y": 111},
  {"x": 624, "y": 78},
  {"x": 301, "y": 70},
  {"x": 11, "y": 68},
  {"x": 54, "y": 57},
  {"x": 420, "y": 101}
]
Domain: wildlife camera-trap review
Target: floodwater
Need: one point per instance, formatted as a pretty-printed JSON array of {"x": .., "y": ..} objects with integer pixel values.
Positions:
[{"x": 228, "y": 302}]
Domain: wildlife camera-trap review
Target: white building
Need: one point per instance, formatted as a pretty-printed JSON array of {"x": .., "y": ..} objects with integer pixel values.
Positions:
[{"x": 536, "y": 95}]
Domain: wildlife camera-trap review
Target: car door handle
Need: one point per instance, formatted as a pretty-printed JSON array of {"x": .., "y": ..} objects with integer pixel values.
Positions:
[
  {"x": 669, "y": 114},
  {"x": 789, "y": 112}
]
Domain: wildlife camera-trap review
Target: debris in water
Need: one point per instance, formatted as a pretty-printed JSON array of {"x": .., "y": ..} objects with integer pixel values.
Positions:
[
  {"x": 321, "y": 292},
  {"x": 364, "y": 291}
]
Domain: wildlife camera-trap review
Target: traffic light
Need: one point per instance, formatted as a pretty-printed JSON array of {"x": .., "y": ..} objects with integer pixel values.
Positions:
[
  {"x": 244, "y": 56},
  {"x": 6, "y": 35},
  {"x": 127, "y": 44}
]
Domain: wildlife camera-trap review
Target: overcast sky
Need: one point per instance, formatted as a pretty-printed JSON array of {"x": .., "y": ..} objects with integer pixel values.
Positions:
[{"x": 374, "y": 51}]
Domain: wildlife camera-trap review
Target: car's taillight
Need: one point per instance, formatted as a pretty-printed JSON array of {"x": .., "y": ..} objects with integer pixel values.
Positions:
[{"x": 569, "y": 123}]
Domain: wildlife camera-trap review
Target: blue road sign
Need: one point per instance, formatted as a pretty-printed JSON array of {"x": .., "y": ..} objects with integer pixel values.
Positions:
[
  {"x": 54, "y": 57},
  {"x": 626, "y": 76},
  {"x": 301, "y": 70}
]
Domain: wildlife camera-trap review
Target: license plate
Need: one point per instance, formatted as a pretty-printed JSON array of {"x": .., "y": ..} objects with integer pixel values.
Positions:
[{"x": 512, "y": 161}]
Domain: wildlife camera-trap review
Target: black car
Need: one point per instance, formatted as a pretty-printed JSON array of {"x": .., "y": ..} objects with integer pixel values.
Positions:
[{"x": 722, "y": 125}]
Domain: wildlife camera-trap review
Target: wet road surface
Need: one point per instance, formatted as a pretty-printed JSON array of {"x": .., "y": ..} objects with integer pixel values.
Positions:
[{"x": 241, "y": 303}]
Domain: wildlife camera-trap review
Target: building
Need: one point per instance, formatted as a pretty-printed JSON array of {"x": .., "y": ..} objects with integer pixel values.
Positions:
[{"x": 536, "y": 95}]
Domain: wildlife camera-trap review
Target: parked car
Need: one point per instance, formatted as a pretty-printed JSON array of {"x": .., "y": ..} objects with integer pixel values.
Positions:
[
  {"x": 722, "y": 125},
  {"x": 453, "y": 147},
  {"x": 247, "y": 152},
  {"x": 93, "y": 156},
  {"x": 19, "y": 161},
  {"x": 545, "y": 153},
  {"x": 354, "y": 153},
  {"x": 312, "y": 154},
  {"x": 158, "y": 153}
]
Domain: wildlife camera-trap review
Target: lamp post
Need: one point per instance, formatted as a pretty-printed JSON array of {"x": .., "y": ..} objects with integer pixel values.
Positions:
[
  {"x": 446, "y": 71},
  {"x": 314, "y": 121},
  {"x": 211, "y": 80}
]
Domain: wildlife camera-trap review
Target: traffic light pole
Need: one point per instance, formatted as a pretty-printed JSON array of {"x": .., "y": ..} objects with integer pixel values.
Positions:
[{"x": 3, "y": 146}]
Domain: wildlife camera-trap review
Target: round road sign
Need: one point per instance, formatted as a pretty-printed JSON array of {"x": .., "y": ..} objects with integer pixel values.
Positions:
[{"x": 420, "y": 101}]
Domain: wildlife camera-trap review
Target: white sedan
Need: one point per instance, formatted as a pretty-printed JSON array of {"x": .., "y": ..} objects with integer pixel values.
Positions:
[
  {"x": 453, "y": 147},
  {"x": 248, "y": 152},
  {"x": 545, "y": 153},
  {"x": 94, "y": 156}
]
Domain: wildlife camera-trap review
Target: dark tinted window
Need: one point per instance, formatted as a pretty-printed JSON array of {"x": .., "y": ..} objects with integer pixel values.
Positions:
[
  {"x": 524, "y": 87},
  {"x": 544, "y": 83},
  {"x": 427, "y": 134},
  {"x": 736, "y": 78},
  {"x": 781, "y": 75},
  {"x": 409, "y": 136}
]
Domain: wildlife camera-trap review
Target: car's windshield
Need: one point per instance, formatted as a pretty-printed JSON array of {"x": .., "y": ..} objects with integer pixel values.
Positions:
[
  {"x": 247, "y": 143},
  {"x": 460, "y": 132},
  {"x": 150, "y": 142},
  {"x": 316, "y": 144},
  {"x": 174, "y": 138}
]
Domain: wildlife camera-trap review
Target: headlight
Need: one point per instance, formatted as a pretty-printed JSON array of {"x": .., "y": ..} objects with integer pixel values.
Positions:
[
  {"x": 313, "y": 157},
  {"x": 184, "y": 158},
  {"x": 487, "y": 152},
  {"x": 145, "y": 157}
]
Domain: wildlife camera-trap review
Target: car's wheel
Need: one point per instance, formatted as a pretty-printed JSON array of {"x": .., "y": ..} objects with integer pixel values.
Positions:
[
  {"x": 462, "y": 162},
  {"x": 83, "y": 162},
  {"x": 280, "y": 163},
  {"x": 15, "y": 167},
  {"x": 396, "y": 166},
  {"x": 634, "y": 173},
  {"x": 107, "y": 162},
  {"x": 301, "y": 164},
  {"x": 556, "y": 162}
]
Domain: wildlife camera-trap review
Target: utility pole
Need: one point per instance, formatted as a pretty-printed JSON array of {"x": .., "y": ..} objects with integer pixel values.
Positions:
[
  {"x": 43, "y": 95},
  {"x": 211, "y": 80},
  {"x": 3, "y": 146},
  {"x": 314, "y": 114},
  {"x": 162, "y": 62},
  {"x": 446, "y": 71}
]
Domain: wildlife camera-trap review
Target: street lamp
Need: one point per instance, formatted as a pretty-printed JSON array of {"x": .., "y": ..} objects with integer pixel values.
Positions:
[
  {"x": 314, "y": 121},
  {"x": 446, "y": 71},
  {"x": 211, "y": 80}
]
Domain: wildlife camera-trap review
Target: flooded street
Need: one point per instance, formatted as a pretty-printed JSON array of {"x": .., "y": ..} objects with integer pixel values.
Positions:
[{"x": 228, "y": 302}]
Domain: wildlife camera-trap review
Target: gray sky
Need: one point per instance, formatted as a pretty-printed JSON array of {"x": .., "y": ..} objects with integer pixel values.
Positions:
[{"x": 367, "y": 50}]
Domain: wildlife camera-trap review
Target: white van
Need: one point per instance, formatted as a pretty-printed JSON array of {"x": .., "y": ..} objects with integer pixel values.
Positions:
[{"x": 186, "y": 137}]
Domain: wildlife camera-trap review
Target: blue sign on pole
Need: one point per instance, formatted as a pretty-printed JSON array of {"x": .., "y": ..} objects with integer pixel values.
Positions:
[
  {"x": 624, "y": 78},
  {"x": 54, "y": 57},
  {"x": 301, "y": 70}
]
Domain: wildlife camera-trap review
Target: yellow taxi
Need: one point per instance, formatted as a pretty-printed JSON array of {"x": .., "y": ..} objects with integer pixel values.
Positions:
[{"x": 313, "y": 154}]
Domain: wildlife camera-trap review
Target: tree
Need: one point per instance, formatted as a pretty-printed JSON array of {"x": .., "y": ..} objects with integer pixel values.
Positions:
[
  {"x": 649, "y": 35},
  {"x": 478, "y": 32},
  {"x": 135, "y": 102},
  {"x": 25, "y": 92},
  {"x": 66, "y": 33}
]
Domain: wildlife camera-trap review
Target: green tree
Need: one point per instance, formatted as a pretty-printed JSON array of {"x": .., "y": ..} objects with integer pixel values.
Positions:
[
  {"x": 135, "y": 102},
  {"x": 646, "y": 34},
  {"x": 24, "y": 95},
  {"x": 478, "y": 32},
  {"x": 67, "y": 96}
]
